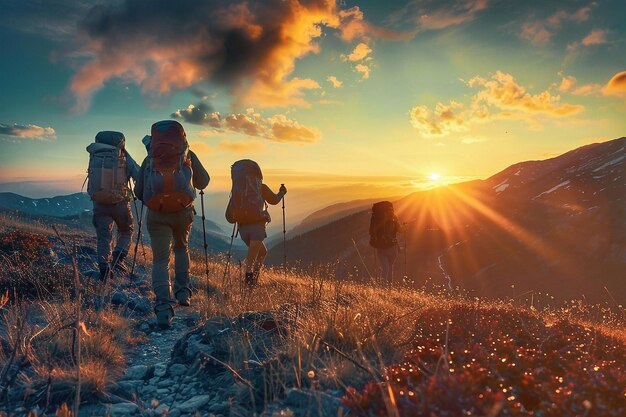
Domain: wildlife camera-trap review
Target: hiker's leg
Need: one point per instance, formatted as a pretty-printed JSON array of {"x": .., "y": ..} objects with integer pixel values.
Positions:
[
  {"x": 391, "y": 258},
  {"x": 160, "y": 241},
  {"x": 181, "y": 229},
  {"x": 124, "y": 220},
  {"x": 253, "y": 250},
  {"x": 383, "y": 264},
  {"x": 103, "y": 222},
  {"x": 260, "y": 257}
]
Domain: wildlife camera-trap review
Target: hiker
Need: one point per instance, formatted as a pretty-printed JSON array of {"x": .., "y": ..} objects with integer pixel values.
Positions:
[
  {"x": 109, "y": 172},
  {"x": 167, "y": 181},
  {"x": 384, "y": 226},
  {"x": 248, "y": 208}
]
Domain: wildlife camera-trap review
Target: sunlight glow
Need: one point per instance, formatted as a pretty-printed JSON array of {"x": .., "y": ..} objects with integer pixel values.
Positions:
[{"x": 434, "y": 176}]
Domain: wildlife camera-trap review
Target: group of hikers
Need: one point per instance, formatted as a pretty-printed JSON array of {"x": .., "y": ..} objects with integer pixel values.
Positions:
[{"x": 166, "y": 184}]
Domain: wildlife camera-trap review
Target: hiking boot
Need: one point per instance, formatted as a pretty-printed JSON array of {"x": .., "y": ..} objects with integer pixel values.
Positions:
[
  {"x": 182, "y": 296},
  {"x": 249, "y": 279},
  {"x": 118, "y": 262},
  {"x": 164, "y": 315}
]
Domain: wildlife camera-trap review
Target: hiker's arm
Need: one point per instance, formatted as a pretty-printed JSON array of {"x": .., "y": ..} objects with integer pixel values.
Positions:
[
  {"x": 139, "y": 181},
  {"x": 269, "y": 195},
  {"x": 132, "y": 169},
  {"x": 200, "y": 176}
]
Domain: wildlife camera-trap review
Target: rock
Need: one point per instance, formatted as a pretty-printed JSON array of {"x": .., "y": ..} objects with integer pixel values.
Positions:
[
  {"x": 144, "y": 327},
  {"x": 174, "y": 412},
  {"x": 140, "y": 305},
  {"x": 119, "y": 298},
  {"x": 165, "y": 383},
  {"x": 178, "y": 369},
  {"x": 315, "y": 402},
  {"x": 162, "y": 391},
  {"x": 194, "y": 403},
  {"x": 160, "y": 369},
  {"x": 123, "y": 409},
  {"x": 162, "y": 409},
  {"x": 136, "y": 372}
]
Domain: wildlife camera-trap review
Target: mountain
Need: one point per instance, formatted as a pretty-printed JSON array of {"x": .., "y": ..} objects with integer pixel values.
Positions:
[
  {"x": 555, "y": 226},
  {"x": 61, "y": 206},
  {"x": 74, "y": 210}
]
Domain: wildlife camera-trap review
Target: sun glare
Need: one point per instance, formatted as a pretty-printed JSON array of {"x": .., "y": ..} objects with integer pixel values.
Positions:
[{"x": 434, "y": 176}]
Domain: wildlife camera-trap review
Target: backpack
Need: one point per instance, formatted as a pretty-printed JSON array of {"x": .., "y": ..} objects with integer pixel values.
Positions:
[
  {"x": 246, "y": 204},
  {"x": 383, "y": 225},
  {"x": 168, "y": 172},
  {"x": 108, "y": 183}
]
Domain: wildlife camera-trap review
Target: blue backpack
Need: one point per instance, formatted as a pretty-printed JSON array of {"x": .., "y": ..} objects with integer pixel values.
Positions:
[
  {"x": 246, "y": 204},
  {"x": 108, "y": 183}
]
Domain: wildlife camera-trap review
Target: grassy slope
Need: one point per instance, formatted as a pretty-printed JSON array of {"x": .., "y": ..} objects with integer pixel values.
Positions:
[{"x": 344, "y": 334}]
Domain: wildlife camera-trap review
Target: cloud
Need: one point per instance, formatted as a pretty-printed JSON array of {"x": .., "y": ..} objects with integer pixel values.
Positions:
[
  {"x": 27, "y": 132},
  {"x": 502, "y": 92},
  {"x": 242, "y": 147},
  {"x": 569, "y": 84},
  {"x": 499, "y": 97},
  {"x": 595, "y": 37},
  {"x": 363, "y": 69},
  {"x": 278, "y": 128},
  {"x": 249, "y": 47},
  {"x": 334, "y": 81},
  {"x": 616, "y": 85},
  {"x": 540, "y": 32},
  {"x": 360, "y": 52},
  {"x": 354, "y": 26},
  {"x": 451, "y": 14},
  {"x": 444, "y": 120}
]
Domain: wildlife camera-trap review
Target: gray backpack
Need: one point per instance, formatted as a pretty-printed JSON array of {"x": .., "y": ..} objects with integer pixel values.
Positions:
[{"x": 108, "y": 183}]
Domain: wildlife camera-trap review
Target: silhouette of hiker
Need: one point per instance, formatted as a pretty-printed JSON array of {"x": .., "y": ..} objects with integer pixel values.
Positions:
[
  {"x": 384, "y": 226},
  {"x": 110, "y": 169},
  {"x": 166, "y": 185},
  {"x": 248, "y": 208}
]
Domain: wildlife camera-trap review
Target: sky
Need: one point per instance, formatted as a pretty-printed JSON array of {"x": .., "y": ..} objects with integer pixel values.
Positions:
[{"x": 350, "y": 99}]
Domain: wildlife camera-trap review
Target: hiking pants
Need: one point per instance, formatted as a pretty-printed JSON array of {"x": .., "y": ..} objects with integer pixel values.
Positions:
[
  {"x": 104, "y": 215},
  {"x": 169, "y": 230},
  {"x": 386, "y": 259}
]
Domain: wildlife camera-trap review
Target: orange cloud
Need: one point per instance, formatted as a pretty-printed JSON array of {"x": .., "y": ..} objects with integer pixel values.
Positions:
[
  {"x": 360, "y": 52},
  {"x": 499, "y": 97},
  {"x": 364, "y": 70},
  {"x": 451, "y": 14},
  {"x": 570, "y": 85},
  {"x": 250, "y": 47},
  {"x": 502, "y": 92},
  {"x": 334, "y": 81},
  {"x": 616, "y": 85}
]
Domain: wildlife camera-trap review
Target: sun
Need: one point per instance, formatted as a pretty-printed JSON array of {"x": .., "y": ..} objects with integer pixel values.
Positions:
[{"x": 434, "y": 176}]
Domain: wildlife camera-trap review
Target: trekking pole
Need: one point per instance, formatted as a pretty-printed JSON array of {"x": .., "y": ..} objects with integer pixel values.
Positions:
[
  {"x": 228, "y": 255},
  {"x": 284, "y": 237},
  {"x": 206, "y": 254},
  {"x": 139, "y": 223}
]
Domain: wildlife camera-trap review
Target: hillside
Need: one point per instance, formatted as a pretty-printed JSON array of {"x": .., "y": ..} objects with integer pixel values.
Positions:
[
  {"x": 553, "y": 226},
  {"x": 297, "y": 345}
]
